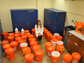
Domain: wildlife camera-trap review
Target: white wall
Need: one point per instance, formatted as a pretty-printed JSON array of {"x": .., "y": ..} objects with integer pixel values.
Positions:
[
  {"x": 6, "y": 5},
  {"x": 74, "y": 9}
]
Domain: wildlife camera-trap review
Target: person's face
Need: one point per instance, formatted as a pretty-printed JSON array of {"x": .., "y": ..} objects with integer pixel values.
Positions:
[{"x": 39, "y": 23}]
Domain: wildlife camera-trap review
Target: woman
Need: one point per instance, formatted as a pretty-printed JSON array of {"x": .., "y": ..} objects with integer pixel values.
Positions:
[{"x": 39, "y": 31}]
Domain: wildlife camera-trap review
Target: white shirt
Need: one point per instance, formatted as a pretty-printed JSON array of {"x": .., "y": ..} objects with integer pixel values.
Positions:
[{"x": 38, "y": 30}]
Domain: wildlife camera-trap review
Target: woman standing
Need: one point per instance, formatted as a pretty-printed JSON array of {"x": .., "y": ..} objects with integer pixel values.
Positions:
[{"x": 39, "y": 31}]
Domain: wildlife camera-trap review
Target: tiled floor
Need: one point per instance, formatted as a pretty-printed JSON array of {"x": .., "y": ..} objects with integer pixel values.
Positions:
[{"x": 19, "y": 58}]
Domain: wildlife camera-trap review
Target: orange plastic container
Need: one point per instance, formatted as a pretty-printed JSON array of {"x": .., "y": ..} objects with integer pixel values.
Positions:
[
  {"x": 10, "y": 53},
  {"x": 55, "y": 56},
  {"x": 17, "y": 35},
  {"x": 83, "y": 29},
  {"x": 18, "y": 32},
  {"x": 26, "y": 31},
  {"x": 32, "y": 43},
  {"x": 23, "y": 45},
  {"x": 21, "y": 41},
  {"x": 52, "y": 37},
  {"x": 30, "y": 36},
  {"x": 38, "y": 55},
  {"x": 27, "y": 34},
  {"x": 18, "y": 38},
  {"x": 11, "y": 34},
  {"x": 4, "y": 42},
  {"x": 47, "y": 44},
  {"x": 29, "y": 58},
  {"x": 60, "y": 49},
  {"x": 24, "y": 37},
  {"x": 56, "y": 34},
  {"x": 59, "y": 38},
  {"x": 67, "y": 58},
  {"x": 48, "y": 32},
  {"x": 59, "y": 43},
  {"x": 5, "y": 34},
  {"x": 14, "y": 44},
  {"x": 26, "y": 50},
  {"x": 78, "y": 26},
  {"x": 75, "y": 57},
  {"x": 33, "y": 31},
  {"x": 48, "y": 36},
  {"x": 49, "y": 50},
  {"x": 6, "y": 46},
  {"x": 45, "y": 32},
  {"x": 54, "y": 41},
  {"x": 36, "y": 47},
  {"x": 11, "y": 38},
  {"x": 31, "y": 39}
]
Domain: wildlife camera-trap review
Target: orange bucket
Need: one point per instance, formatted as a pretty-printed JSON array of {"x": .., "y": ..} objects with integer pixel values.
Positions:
[
  {"x": 29, "y": 58},
  {"x": 21, "y": 41},
  {"x": 31, "y": 39},
  {"x": 59, "y": 43},
  {"x": 33, "y": 31},
  {"x": 26, "y": 31},
  {"x": 17, "y": 35},
  {"x": 27, "y": 34},
  {"x": 55, "y": 56},
  {"x": 38, "y": 55},
  {"x": 23, "y": 45},
  {"x": 24, "y": 37},
  {"x": 59, "y": 38},
  {"x": 52, "y": 37},
  {"x": 45, "y": 32},
  {"x": 49, "y": 50},
  {"x": 60, "y": 49},
  {"x": 47, "y": 44},
  {"x": 56, "y": 34},
  {"x": 78, "y": 27},
  {"x": 11, "y": 38},
  {"x": 75, "y": 57},
  {"x": 4, "y": 42},
  {"x": 14, "y": 44},
  {"x": 17, "y": 38},
  {"x": 48, "y": 36},
  {"x": 5, "y": 34},
  {"x": 36, "y": 47},
  {"x": 54, "y": 41},
  {"x": 11, "y": 34},
  {"x": 67, "y": 58},
  {"x": 26, "y": 50},
  {"x": 10, "y": 53},
  {"x": 31, "y": 36},
  {"x": 48, "y": 32},
  {"x": 6, "y": 46},
  {"x": 32, "y": 43},
  {"x": 18, "y": 32}
]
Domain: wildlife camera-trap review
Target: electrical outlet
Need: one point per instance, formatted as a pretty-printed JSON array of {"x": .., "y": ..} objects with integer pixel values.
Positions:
[{"x": 74, "y": 21}]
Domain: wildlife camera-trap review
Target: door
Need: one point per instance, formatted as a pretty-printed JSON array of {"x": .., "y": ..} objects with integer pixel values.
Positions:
[
  {"x": 18, "y": 16},
  {"x": 31, "y": 18}
]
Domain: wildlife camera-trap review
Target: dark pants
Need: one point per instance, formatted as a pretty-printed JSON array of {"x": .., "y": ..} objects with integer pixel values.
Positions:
[{"x": 39, "y": 38}]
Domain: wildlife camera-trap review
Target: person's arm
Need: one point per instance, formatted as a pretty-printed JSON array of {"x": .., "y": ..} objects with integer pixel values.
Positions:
[
  {"x": 36, "y": 29},
  {"x": 42, "y": 30}
]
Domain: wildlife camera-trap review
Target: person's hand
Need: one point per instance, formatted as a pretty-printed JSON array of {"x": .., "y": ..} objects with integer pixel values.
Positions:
[{"x": 39, "y": 34}]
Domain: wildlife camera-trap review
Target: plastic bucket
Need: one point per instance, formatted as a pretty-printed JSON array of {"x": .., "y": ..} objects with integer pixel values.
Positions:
[
  {"x": 60, "y": 49},
  {"x": 67, "y": 58},
  {"x": 47, "y": 44},
  {"x": 26, "y": 31},
  {"x": 31, "y": 39},
  {"x": 23, "y": 45},
  {"x": 17, "y": 38},
  {"x": 48, "y": 36},
  {"x": 5, "y": 34},
  {"x": 38, "y": 55},
  {"x": 24, "y": 37},
  {"x": 55, "y": 56},
  {"x": 56, "y": 34},
  {"x": 17, "y": 35},
  {"x": 27, "y": 34},
  {"x": 36, "y": 47},
  {"x": 18, "y": 32},
  {"x": 59, "y": 38},
  {"x": 30, "y": 36},
  {"x": 29, "y": 58},
  {"x": 6, "y": 46},
  {"x": 59, "y": 43},
  {"x": 32, "y": 43},
  {"x": 45, "y": 32},
  {"x": 4, "y": 42},
  {"x": 52, "y": 37},
  {"x": 48, "y": 32},
  {"x": 75, "y": 57},
  {"x": 49, "y": 50},
  {"x": 54, "y": 41},
  {"x": 26, "y": 50},
  {"x": 11, "y": 38},
  {"x": 33, "y": 31},
  {"x": 21, "y": 41},
  {"x": 14, "y": 44},
  {"x": 11, "y": 34},
  {"x": 78, "y": 27},
  {"x": 10, "y": 53}
]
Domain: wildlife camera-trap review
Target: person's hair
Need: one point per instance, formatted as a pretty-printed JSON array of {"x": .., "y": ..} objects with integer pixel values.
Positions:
[{"x": 40, "y": 23}]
